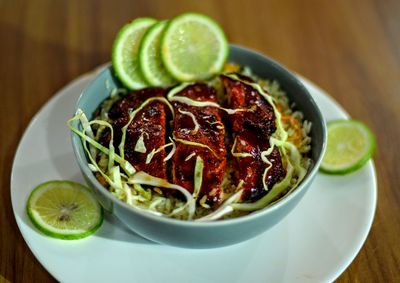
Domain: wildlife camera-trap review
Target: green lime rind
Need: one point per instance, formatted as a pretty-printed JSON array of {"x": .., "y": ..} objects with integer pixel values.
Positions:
[
  {"x": 365, "y": 153},
  {"x": 54, "y": 232},
  {"x": 194, "y": 47},
  {"x": 125, "y": 51},
  {"x": 151, "y": 65}
]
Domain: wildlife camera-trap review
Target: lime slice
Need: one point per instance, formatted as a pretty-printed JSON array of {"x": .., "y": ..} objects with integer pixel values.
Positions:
[
  {"x": 64, "y": 210},
  {"x": 194, "y": 47},
  {"x": 125, "y": 52},
  {"x": 152, "y": 67},
  {"x": 350, "y": 145}
]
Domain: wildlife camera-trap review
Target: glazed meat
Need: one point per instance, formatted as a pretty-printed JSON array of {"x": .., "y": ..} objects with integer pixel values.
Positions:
[
  {"x": 132, "y": 100},
  {"x": 251, "y": 131},
  {"x": 261, "y": 118},
  {"x": 200, "y": 132},
  {"x": 251, "y": 169},
  {"x": 201, "y": 125},
  {"x": 146, "y": 132}
]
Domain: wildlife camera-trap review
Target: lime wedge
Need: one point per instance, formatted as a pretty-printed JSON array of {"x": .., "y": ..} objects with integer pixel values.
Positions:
[
  {"x": 64, "y": 210},
  {"x": 125, "y": 53},
  {"x": 194, "y": 47},
  {"x": 152, "y": 67},
  {"x": 350, "y": 145}
]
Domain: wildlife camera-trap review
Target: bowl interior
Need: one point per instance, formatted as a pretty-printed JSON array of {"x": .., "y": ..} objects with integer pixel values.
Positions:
[{"x": 102, "y": 86}]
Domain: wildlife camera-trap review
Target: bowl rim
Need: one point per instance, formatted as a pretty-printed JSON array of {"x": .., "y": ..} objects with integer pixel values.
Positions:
[{"x": 83, "y": 163}]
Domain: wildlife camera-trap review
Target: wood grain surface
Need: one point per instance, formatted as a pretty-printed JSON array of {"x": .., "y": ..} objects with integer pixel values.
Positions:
[{"x": 349, "y": 48}]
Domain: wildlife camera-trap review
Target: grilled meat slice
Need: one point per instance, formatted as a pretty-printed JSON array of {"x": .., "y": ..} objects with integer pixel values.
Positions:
[
  {"x": 146, "y": 132},
  {"x": 252, "y": 130},
  {"x": 251, "y": 169},
  {"x": 201, "y": 125},
  {"x": 132, "y": 100},
  {"x": 248, "y": 169},
  {"x": 261, "y": 118}
]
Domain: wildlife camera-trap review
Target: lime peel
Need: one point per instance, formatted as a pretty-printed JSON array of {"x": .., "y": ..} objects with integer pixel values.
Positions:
[
  {"x": 153, "y": 70},
  {"x": 64, "y": 210},
  {"x": 350, "y": 145},
  {"x": 194, "y": 47},
  {"x": 125, "y": 51}
]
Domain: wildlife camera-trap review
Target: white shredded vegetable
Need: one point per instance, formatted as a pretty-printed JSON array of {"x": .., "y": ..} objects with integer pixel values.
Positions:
[
  {"x": 146, "y": 179},
  {"x": 140, "y": 146},
  {"x": 128, "y": 168},
  {"x": 191, "y": 115},
  {"x": 239, "y": 154},
  {"x": 225, "y": 208},
  {"x": 196, "y": 144},
  {"x": 190, "y": 156},
  {"x": 198, "y": 176},
  {"x": 195, "y": 103},
  {"x": 87, "y": 129},
  {"x": 155, "y": 151},
  {"x": 186, "y": 100}
]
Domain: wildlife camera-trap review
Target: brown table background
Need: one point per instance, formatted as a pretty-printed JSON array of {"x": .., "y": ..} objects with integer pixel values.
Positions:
[{"x": 349, "y": 48}]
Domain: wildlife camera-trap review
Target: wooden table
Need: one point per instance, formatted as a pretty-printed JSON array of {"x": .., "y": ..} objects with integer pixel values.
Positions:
[{"x": 349, "y": 48}]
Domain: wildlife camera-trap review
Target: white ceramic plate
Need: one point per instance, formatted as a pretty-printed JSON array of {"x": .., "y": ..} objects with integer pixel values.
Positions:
[{"x": 315, "y": 243}]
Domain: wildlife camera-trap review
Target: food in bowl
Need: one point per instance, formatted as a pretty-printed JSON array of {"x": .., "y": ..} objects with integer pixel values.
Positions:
[
  {"x": 199, "y": 151},
  {"x": 201, "y": 234}
]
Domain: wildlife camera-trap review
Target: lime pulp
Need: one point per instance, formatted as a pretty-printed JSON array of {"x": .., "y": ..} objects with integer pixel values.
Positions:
[
  {"x": 350, "y": 145},
  {"x": 64, "y": 210},
  {"x": 194, "y": 47},
  {"x": 151, "y": 65},
  {"x": 125, "y": 51}
]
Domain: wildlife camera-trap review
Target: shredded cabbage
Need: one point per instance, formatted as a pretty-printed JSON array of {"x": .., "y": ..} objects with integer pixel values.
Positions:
[
  {"x": 190, "y": 156},
  {"x": 239, "y": 154},
  {"x": 191, "y": 115},
  {"x": 196, "y": 144},
  {"x": 225, "y": 208},
  {"x": 140, "y": 146},
  {"x": 111, "y": 155},
  {"x": 87, "y": 129},
  {"x": 186, "y": 100},
  {"x": 128, "y": 168},
  {"x": 220, "y": 126},
  {"x": 146, "y": 179},
  {"x": 198, "y": 176},
  {"x": 155, "y": 151}
]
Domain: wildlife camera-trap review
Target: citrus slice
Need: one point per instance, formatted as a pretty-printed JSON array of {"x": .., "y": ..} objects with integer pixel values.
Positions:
[
  {"x": 125, "y": 50},
  {"x": 194, "y": 47},
  {"x": 350, "y": 145},
  {"x": 152, "y": 67},
  {"x": 64, "y": 210}
]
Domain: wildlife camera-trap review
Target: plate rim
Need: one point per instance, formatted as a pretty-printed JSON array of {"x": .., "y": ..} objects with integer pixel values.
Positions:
[{"x": 89, "y": 75}]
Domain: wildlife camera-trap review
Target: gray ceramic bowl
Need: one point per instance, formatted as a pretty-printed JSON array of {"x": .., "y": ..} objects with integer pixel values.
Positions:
[{"x": 219, "y": 233}]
